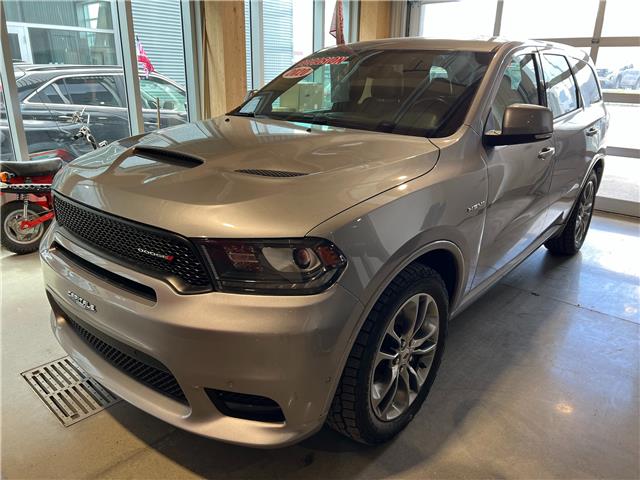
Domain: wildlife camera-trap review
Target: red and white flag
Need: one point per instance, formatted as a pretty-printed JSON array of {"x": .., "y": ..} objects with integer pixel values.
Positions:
[
  {"x": 143, "y": 58},
  {"x": 337, "y": 24}
]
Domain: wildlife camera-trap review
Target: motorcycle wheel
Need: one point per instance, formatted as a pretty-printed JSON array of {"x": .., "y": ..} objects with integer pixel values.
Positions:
[{"x": 14, "y": 238}]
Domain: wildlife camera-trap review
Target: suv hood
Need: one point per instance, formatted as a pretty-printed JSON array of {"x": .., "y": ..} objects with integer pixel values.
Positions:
[{"x": 185, "y": 179}]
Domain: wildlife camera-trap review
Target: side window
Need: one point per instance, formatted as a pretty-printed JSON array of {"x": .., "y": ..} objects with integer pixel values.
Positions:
[
  {"x": 561, "y": 89},
  {"x": 170, "y": 97},
  {"x": 519, "y": 84},
  {"x": 93, "y": 91},
  {"x": 49, "y": 94},
  {"x": 586, "y": 82}
]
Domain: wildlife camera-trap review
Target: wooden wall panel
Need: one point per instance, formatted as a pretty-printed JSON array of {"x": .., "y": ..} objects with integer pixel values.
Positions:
[{"x": 225, "y": 70}]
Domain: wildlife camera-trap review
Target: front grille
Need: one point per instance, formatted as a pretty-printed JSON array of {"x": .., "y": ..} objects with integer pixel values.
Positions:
[
  {"x": 136, "y": 245},
  {"x": 156, "y": 377}
]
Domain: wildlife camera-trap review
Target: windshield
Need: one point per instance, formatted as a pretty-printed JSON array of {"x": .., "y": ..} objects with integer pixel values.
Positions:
[{"x": 416, "y": 92}]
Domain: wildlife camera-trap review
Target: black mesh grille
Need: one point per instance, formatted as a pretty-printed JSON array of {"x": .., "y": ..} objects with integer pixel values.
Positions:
[
  {"x": 139, "y": 246},
  {"x": 158, "y": 379}
]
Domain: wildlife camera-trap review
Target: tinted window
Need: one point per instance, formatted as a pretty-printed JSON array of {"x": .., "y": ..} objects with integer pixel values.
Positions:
[
  {"x": 96, "y": 91},
  {"x": 561, "y": 89},
  {"x": 519, "y": 84},
  {"x": 170, "y": 96},
  {"x": 49, "y": 94},
  {"x": 586, "y": 82},
  {"x": 422, "y": 93}
]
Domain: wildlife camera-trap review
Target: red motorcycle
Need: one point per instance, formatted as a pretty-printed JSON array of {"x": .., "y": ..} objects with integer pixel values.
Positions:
[
  {"x": 26, "y": 217},
  {"x": 28, "y": 211}
]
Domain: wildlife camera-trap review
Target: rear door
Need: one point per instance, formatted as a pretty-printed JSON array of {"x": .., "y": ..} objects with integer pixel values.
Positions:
[
  {"x": 519, "y": 175},
  {"x": 577, "y": 127}
]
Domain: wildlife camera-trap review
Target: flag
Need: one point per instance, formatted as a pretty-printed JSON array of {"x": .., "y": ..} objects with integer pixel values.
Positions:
[
  {"x": 143, "y": 58},
  {"x": 337, "y": 24}
]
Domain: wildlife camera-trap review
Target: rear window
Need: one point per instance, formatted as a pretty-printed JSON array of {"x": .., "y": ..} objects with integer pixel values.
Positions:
[{"x": 587, "y": 82}]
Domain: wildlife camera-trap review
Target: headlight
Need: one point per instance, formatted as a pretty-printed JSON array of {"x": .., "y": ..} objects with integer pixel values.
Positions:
[{"x": 282, "y": 267}]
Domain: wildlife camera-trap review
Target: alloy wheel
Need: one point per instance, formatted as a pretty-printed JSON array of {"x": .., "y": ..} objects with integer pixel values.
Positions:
[
  {"x": 585, "y": 210},
  {"x": 404, "y": 356}
]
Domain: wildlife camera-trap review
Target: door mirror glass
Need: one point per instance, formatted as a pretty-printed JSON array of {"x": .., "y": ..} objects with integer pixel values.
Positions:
[{"x": 522, "y": 123}]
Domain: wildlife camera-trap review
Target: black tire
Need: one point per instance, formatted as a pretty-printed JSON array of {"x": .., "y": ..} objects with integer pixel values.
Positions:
[
  {"x": 352, "y": 413},
  {"x": 571, "y": 239},
  {"x": 8, "y": 237}
]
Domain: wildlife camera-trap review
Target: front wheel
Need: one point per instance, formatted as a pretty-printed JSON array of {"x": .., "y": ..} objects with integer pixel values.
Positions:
[
  {"x": 575, "y": 230},
  {"x": 395, "y": 358},
  {"x": 16, "y": 239}
]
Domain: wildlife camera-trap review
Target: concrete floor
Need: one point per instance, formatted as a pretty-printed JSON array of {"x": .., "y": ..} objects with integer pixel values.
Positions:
[{"x": 540, "y": 380}]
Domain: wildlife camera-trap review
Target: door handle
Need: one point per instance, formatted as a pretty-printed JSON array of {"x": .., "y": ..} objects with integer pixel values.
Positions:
[
  {"x": 591, "y": 132},
  {"x": 546, "y": 152}
]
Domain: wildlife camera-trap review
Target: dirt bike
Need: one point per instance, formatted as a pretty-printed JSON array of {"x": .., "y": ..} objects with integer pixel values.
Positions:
[{"x": 26, "y": 217}]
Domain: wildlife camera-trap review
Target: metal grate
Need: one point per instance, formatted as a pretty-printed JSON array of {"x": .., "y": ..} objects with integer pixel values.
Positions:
[
  {"x": 270, "y": 173},
  {"x": 68, "y": 391},
  {"x": 135, "y": 245}
]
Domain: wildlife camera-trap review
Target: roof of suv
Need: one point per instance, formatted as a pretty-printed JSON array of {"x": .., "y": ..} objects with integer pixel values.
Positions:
[{"x": 480, "y": 44}]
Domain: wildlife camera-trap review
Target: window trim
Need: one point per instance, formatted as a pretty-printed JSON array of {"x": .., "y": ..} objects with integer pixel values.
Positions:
[
  {"x": 27, "y": 100},
  {"x": 575, "y": 85},
  {"x": 595, "y": 76},
  {"x": 505, "y": 62}
]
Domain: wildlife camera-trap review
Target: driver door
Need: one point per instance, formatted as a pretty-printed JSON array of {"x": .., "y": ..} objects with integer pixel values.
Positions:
[{"x": 519, "y": 176}]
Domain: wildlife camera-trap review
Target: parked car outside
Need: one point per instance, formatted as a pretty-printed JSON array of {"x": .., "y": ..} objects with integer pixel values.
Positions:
[
  {"x": 295, "y": 262},
  {"x": 51, "y": 94}
]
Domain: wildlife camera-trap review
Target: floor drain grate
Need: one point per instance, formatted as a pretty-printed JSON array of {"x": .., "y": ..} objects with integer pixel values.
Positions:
[{"x": 68, "y": 391}]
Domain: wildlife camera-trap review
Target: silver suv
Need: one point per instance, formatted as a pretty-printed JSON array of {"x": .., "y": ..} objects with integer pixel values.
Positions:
[{"x": 297, "y": 260}]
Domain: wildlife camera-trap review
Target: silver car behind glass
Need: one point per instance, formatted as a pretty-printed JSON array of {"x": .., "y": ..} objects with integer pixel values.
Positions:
[{"x": 295, "y": 262}]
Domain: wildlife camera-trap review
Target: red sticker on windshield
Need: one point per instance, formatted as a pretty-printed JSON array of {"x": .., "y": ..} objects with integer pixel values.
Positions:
[
  {"x": 323, "y": 61},
  {"x": 297, "y": 72}
]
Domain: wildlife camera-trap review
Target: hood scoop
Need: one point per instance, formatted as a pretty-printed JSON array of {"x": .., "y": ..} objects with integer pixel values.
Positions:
[
  {"x": 170, "y": 157},
  {"x": 270, "y": 173}
]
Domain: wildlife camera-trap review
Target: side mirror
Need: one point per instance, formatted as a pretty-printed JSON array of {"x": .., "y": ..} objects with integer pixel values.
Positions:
[
  {"x": 522, "y": 123},
  {"x": 250, "y": 93},
  {"x": 168, "y": 105}
]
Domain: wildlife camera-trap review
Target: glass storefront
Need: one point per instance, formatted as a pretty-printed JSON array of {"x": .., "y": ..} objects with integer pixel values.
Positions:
[
  {"x": 468, "y": 18},
  {"x": 618, "y": 68},
  {"x": 161, "y": 65},
  {"x": 61, "y": 32}
]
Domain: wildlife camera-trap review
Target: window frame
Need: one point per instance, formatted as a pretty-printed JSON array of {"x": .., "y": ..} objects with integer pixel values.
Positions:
[
  {"x": 579, "y": 105},
  {"x": 594, "y": 76},
  {"x": 27, "y": 100},
  {"x": 495, "y": 87}
]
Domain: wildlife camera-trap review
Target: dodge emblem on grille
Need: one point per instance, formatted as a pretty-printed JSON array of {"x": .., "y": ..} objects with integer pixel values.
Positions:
[
  {"x": 81, "y": 301},
  {"x": 168, "y": 258}
]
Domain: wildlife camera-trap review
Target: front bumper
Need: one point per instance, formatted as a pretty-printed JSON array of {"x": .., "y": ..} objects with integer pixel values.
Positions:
[{"x": 288, "y": 349}]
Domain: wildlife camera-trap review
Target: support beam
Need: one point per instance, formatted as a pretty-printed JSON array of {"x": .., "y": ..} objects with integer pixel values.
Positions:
[
  {"x": 597, "y": 30},
  {"x": 375, "y": 19},
  {"x": 192, "y": 56},
  {"x": 224, "y": 52},
  {"x": 130, "y": 66},
  {"x": 12, "y": 105}
]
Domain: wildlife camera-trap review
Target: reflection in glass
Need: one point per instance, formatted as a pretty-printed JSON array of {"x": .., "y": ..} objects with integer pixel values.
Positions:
[
  {"x": 6, "y": 147},
  {"x": 618, "y": 68},
  {"x": 159, "y": 41}
]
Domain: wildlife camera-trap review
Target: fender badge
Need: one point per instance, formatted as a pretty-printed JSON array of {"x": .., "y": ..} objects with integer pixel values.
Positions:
[{"x": 475, "y": 207}]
